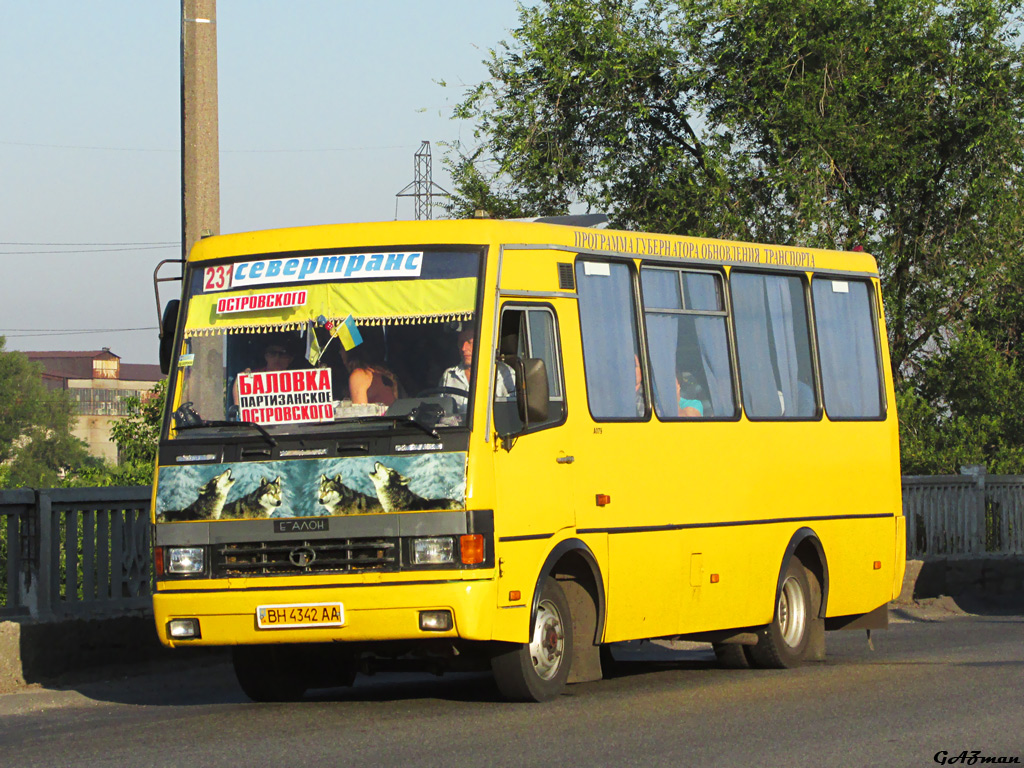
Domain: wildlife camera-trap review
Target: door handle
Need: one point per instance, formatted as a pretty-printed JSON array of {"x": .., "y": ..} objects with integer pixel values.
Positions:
[{"x": 565, "y": 459}]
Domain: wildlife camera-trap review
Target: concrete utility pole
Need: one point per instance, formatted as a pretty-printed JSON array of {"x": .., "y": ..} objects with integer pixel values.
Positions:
[
  {"x": 200, "y": 148},
  {"x": 200, "y": 166}
]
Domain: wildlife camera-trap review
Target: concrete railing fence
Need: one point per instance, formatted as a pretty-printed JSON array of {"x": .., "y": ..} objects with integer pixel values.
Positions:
[
  {"x": 976, "y": 514},
  {"x": 74, "y": 552},
  {"x": 85, "y": 552},
  {"x": 1004, "y": 498},
  {"x": 16, "y": 524}
]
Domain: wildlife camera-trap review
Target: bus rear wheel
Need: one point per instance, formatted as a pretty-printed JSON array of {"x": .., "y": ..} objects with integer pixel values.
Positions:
[
  {"x": 732, "y": 655},
  {"x": 537, "y": 671},
  {"x": 783, "y": 643}
]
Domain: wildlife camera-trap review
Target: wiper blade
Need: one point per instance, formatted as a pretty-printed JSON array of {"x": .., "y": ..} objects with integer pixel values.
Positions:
[
  {"x": 411, "y": 419},
  {"x": 258, "y": 427},
  {"x": 407, "y": 419},
  {"x": 187, "y": 418}
]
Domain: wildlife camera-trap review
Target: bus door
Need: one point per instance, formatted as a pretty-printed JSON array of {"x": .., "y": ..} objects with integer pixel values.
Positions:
[{"x": 533, "y": 460}]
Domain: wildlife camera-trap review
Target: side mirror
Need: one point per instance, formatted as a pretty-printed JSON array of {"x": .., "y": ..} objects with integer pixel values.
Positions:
[
  {"x": 532, "y": 394},
  {"x": 167, "y": 325},
  {"x": 531, "y": 403}
]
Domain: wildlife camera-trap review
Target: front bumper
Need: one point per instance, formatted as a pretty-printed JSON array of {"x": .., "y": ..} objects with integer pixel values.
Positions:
[{"x": 373, "y": 612}]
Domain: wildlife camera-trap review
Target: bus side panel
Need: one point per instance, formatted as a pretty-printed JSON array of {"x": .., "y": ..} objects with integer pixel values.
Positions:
[
  {"x": 740, "y": 595},
  {"x": 646, "y": 586},
  {"x": 690, "y": 499},
  {"x": 859, "y": 475},
  {"x": 896, "y": 487},
  {"x": 853, "y": 548},
  {"x": 519, "y": 563}
]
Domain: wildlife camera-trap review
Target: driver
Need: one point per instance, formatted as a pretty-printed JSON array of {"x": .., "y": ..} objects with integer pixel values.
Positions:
[
  {"x": 278, "y": 355},
  {"x": 457, "y": 377}
]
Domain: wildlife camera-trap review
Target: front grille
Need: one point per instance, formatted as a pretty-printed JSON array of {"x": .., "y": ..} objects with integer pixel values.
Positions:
[{"x": 263, "y": 558}]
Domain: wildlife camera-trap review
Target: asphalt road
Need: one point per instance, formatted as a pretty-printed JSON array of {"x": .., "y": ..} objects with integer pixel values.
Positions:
[{"x": 928, "y": 687}]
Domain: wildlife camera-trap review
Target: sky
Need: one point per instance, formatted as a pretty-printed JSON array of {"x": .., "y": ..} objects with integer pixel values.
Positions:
[{"x": 322, "y": 106}]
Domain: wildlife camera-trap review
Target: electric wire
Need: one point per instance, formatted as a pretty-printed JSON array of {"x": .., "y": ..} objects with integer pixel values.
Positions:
[
  {"x": 222, "y": 151},
  {"x": 88, "y": 250},
  {"x": 23, "y": 333}
]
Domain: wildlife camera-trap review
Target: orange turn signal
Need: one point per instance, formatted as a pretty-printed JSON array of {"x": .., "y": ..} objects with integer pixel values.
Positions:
[
  {"x": 878, "y": 565},
  {"x": 714, "y": 578},
  {"x": 514, "y": 596},
  {"x": 472, "y": 547},
  {"x": 603, "y": 499}
]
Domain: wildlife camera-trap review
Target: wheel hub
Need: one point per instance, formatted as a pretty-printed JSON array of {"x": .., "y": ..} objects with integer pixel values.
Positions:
[
  {"x": 792, "y": 613},
  {"x": 548, "y": 643}
]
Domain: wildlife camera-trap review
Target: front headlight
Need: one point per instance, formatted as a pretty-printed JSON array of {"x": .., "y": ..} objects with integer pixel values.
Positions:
[
  {"x": 436, "y": 550},
  {"x": 185, "y": 560}
]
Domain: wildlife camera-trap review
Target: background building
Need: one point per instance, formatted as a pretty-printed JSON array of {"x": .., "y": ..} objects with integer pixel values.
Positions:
[{"x": 98, "y": 383}]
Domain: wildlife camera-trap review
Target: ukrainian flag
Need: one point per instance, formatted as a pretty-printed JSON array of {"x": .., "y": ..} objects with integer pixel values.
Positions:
[
  {"x": 313, "y": 350},
  {"x": 348, "y": 333}
]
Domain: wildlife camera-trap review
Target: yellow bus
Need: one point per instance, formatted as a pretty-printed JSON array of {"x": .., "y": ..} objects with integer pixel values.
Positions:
[{"x": 510, "y": 444}]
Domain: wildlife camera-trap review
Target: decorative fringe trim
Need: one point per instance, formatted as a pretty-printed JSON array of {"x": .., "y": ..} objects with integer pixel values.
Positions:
[{"x": 191, "y": 333}]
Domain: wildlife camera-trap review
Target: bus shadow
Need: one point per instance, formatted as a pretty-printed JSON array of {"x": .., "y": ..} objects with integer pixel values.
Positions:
[
  {"x": 644, "y": 657},
  {"x": 629, "y": 660},
  {"x": 210, "y": 680}
]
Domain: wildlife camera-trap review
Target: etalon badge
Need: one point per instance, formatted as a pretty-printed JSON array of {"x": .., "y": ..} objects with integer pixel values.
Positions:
[{"x": 302, "y": 557}]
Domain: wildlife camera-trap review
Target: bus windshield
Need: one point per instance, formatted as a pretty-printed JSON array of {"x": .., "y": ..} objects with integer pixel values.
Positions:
[{"x": 287, "y": 343}]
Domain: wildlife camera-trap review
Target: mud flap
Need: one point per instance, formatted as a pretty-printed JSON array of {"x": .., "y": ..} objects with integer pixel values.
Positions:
[
  {"x": 876, "y": 619},
  {"x": 586, "y": 654},
  {"x": 816, "y": 630}
]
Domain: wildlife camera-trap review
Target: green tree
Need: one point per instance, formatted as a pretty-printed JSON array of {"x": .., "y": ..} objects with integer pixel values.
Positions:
[
  {"x": 591, "y": 102},
  {"x": 893, "y": 126},
  {"x": 138, "y": 434},
  {"x": 896, "y": 127},
  {"x": 35, "y": 426},
  {"x": 967, "y": 408}
]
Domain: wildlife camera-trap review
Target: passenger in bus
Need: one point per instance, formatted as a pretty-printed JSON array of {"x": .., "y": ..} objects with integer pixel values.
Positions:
[
  {"x": 369, "y": 380},
  {"x": 640, "y": 404},
  {"x": 688, "y": 393},
  {"x": 457, "y": 377}
]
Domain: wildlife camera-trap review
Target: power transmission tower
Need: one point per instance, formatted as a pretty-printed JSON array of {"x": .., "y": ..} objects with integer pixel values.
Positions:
[{"x": 422, "y": 188}]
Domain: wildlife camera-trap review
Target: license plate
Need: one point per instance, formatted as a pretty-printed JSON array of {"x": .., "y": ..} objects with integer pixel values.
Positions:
[{"x": 300, "y": 615}]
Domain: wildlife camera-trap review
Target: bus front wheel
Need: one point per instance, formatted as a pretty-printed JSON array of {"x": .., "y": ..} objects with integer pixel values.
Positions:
[
  {"x": 537, "y": 671},
  {"x": 783, "y": 643},
  {"x": 265, "y": 674}
]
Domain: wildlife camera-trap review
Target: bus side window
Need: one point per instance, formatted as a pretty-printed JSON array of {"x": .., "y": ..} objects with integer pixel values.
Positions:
[
  {"x": 527, "y": 333},
  {"x": 773, "y": 346},
  {"x": 847, "y": 348},
  {"x": 687, "y": 343},
  {"x": 611, "y": 349}
]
